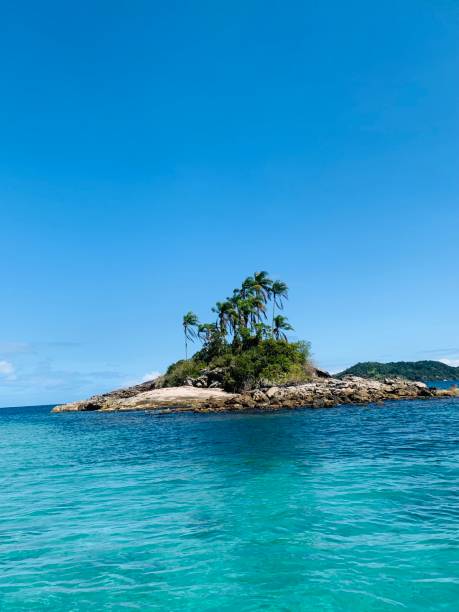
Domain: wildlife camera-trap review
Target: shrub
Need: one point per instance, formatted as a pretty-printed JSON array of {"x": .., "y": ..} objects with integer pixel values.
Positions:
[
  {"x": 178, "y": 372},
  {"x": 270, "y": 362},
  {"x": 266, "y": 362}
]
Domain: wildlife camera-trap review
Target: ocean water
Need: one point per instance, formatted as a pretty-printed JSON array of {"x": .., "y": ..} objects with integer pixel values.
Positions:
[
  {"x": 442, "y": 384},
  {"x": 347, "y": 508}
]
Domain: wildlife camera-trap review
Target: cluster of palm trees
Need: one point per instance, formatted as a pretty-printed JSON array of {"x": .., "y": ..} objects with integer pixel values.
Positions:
[{"x": 244, "y": 315}]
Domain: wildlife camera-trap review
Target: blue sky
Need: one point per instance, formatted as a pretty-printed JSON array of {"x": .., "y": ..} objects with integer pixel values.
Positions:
[{"x": 153, "y": 154}]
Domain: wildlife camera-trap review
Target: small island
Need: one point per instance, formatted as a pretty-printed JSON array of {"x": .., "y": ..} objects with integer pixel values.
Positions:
[
  {"x": 427, "y": 370},
  {"x": 246, "y": 361}
]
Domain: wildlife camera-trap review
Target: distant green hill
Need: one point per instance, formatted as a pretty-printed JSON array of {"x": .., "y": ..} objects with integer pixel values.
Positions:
[{"x": 412, "y": 370}]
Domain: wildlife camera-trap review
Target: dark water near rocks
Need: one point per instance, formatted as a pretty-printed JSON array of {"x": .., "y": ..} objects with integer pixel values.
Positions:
[{"x": 346, "y": 508}]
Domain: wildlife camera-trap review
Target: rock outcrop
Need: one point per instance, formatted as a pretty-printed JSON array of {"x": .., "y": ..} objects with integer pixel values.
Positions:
[{"x": 319, "y": 393}]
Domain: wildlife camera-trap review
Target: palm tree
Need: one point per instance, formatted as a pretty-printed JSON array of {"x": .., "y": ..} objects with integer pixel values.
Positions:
[
  {"x": 233, "y": 319},
  {"x": 247, "y": 287},
  {"x": 258, "y": 309},
  {"x": 223, "y": 311},
  {"x": 279, "y": 291},
  {"x": 248, "y": 304},
  {"x": 190, "y": 322},
  {"x": 262, "y": 331},
  {"x": 206, "y": 331},
  {"x": 262, "y": 285},
  {"x": 245, "y": 310},
  {"x": 281, "y": 325}
]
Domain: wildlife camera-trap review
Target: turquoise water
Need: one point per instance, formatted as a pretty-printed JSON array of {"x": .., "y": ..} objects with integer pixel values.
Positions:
[{"x": 347, "y": 508}]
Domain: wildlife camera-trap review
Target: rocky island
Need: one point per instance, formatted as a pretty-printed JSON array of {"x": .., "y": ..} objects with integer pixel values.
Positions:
[
  {"x": 317, "y": 393},
  {"x": 246, "y": 363}
]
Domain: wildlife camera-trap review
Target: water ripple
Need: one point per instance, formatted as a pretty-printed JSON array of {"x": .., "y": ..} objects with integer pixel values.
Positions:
[{"x": 349, "y": 508}]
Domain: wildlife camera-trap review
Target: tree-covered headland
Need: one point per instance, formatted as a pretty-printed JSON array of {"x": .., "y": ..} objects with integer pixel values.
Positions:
[
  {"x": 246, "y": 343},
  {"x": 411, "y": 370}
]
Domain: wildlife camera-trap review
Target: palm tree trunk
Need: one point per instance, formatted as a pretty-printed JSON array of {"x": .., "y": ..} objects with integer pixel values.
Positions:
[{"x": 186, "y": 350}]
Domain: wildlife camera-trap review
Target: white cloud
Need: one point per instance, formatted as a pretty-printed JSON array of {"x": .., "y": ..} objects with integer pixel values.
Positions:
[
  {"x": 7, "y": 370},
  {"x": 450, "y": 362},
  {"x": 150, "y": 376}
]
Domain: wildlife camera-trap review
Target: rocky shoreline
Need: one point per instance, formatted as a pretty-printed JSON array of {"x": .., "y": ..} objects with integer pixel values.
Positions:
[{"x": 319, "y": 393}]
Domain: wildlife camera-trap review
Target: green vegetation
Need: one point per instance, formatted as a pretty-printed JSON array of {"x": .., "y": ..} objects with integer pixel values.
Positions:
[
  {"x": 240, "y": 345},
  {"x": 190, "y": 322},
  {"x": 178, "y": 372},
  {"x": 411, "y": 370}
]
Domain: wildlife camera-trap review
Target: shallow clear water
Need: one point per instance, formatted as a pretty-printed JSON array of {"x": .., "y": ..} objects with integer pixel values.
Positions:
[{"x": 347, "y": 508}]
